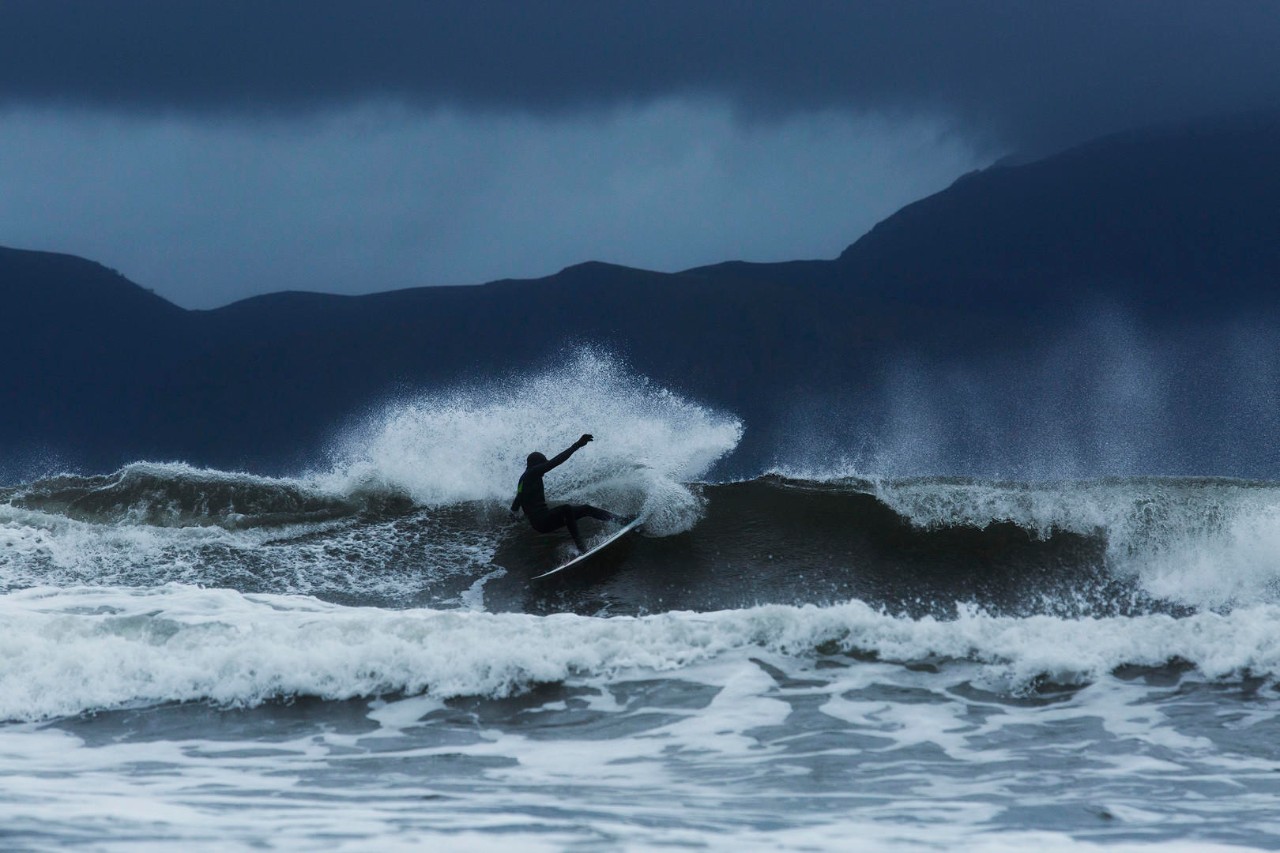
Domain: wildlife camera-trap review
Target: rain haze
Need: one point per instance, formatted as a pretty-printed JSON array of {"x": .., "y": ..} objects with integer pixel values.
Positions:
[{"x": 212, "y": 151}]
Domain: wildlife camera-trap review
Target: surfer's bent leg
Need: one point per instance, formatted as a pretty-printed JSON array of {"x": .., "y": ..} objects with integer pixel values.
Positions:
[
  {"x": 570, "y": 515},
  {"x": 567, "y": 516},
  {"x": 589, "y": 511}
]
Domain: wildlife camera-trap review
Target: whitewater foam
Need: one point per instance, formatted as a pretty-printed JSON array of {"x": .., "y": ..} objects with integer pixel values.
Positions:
[{"x": 73, "y": 650}]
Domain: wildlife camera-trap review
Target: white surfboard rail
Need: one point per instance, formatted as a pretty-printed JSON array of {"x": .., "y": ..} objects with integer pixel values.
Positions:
[{"x": 614, "y": 537}]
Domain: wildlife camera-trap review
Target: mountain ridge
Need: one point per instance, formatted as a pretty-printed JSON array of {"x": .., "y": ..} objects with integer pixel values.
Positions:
[{"x": 1175, "y": 226}]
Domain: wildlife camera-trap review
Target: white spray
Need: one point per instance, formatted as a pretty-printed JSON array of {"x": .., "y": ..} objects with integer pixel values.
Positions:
[{"x": 470, "y": 443}]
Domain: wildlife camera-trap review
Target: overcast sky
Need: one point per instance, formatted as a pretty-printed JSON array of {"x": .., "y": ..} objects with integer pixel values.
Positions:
[{"x": 212, "y": 150}]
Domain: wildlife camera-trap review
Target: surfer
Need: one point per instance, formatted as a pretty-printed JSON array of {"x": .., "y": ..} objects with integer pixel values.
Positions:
[{"x": 531, "y": 497}]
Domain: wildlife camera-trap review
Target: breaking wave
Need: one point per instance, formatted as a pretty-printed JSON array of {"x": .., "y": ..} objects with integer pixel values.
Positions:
[{"x": 75, "y": 650}]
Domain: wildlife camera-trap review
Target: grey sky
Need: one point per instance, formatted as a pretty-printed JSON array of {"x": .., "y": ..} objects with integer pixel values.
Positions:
[{"x": 215, "y": 149}]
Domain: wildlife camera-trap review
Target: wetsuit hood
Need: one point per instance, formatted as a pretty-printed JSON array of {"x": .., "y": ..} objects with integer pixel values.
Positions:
[{"x": 535, "y": 458}]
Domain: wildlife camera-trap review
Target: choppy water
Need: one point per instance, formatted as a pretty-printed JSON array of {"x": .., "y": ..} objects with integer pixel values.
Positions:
[{"x": 356, "y": 658}]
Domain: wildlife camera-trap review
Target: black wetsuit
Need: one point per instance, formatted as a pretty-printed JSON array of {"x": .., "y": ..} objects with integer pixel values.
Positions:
[{"x": 531, "y": 496}]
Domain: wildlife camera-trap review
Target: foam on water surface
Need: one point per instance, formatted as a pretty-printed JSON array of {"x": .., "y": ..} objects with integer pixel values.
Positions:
[
  {"x": 68, "y": 651},
  {"x": 751, "y": 748}
]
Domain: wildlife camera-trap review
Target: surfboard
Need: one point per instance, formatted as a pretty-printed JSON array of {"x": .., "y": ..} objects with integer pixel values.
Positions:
[{"x": 591, "y": 552}]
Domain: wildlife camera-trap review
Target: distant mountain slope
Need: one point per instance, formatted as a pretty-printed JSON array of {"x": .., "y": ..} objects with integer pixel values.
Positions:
[
  {"x": 1180, "y": 226},
  {"x": 1162, "y": 213},
  {"x": 81, "y": 348}
]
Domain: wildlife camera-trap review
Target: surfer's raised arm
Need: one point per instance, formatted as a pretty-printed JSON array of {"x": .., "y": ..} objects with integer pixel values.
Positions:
[
  {"x": 539, "y": 465},
  {"x": 568, "y": 451},
  {"x": 561, "y": 457},
  {"x": 531, "y": 497}
]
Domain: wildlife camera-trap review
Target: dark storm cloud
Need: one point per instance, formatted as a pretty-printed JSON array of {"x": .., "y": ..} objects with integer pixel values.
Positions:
[{"x": 1033, "y": 73}]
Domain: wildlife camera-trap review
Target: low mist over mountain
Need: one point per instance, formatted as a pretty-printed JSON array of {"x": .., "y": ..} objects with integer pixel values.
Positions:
[{"x": 1109, "y": 309}]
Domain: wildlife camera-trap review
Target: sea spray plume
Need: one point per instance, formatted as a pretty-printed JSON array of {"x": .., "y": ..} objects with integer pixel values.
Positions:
[
  {"x": 1092, "y": 401},
  {"x": 1254, "y": 363},
  {"x": 469, "y": 443},
  {"x": 1107, "y": 396}
]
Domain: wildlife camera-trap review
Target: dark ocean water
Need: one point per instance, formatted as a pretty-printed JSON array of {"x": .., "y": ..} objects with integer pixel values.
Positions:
[{"x": 356, "y": 657}]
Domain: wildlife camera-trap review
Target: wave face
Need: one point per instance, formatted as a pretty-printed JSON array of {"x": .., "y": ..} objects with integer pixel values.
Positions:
[{"x": 917, "y": 546}]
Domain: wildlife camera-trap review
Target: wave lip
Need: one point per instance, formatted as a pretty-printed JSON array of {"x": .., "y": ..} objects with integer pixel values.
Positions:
[{"x": 70, "y": 651}]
